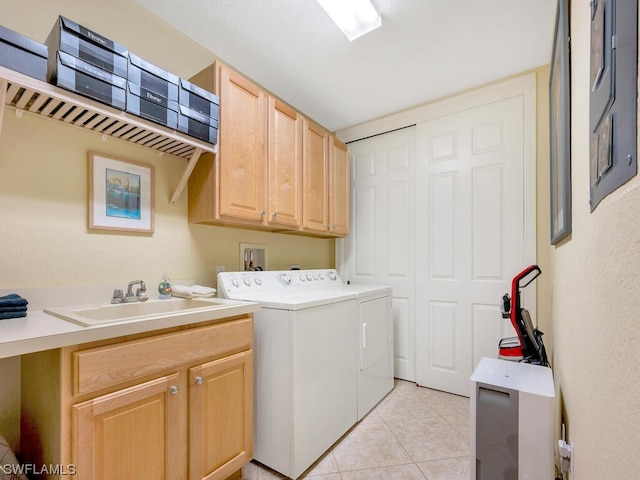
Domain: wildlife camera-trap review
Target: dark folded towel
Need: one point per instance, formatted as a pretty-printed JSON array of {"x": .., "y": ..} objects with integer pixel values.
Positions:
[
  {"x": 12, "y": 309},
  {"x": 13, "y": 300},
  {"x": 5, "y": 315}
]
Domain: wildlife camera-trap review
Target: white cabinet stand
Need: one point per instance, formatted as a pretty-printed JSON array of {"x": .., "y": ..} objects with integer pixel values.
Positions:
[{"x": 512, "y": 421}]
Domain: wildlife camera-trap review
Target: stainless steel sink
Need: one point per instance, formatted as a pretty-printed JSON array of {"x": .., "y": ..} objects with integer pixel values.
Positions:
[{"x": 89, "y": 315}]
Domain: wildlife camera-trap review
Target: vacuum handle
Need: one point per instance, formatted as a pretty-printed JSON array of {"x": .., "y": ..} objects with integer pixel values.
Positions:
[
  {"x": 505, "y": 307},
  {"x": 535, "y": 269}
]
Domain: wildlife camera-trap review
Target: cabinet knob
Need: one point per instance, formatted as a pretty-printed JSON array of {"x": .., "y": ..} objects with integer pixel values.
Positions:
[
  {"x": 262, "y": 213},
  {"x": 199, "y": 380},
  {"x": 274, "y": 215},
  {"x": 174, "y": 389}
]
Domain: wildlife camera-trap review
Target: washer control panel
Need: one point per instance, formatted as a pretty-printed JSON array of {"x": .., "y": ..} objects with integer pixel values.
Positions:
[{"x": 235, "y": 282}]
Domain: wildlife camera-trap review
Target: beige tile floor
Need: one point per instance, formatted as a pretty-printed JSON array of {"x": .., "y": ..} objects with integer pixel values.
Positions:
[{"x": 413, "y": 434}]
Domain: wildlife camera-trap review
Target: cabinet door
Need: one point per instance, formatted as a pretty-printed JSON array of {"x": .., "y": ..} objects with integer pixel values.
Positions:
[
  {"x": 241, "y": 161},
  {"x": 339, "y": 188},
  {"x": 131, "y": 434},
  {"x": 284, "y": 168},
  {"x": 220, "y": 416},
  {"x": 315, "y": 173}
]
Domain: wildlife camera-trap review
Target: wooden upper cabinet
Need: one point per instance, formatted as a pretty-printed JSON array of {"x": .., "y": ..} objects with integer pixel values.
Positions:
[
  {"x": 315, "y": 173},
  {"x": 274, "y": 168},
  {"x": 284, "y": 166},
  {"x": 242, "y": 148},
  {"x": 339, "y": 188},
  {"x": 325, "y": 202}
]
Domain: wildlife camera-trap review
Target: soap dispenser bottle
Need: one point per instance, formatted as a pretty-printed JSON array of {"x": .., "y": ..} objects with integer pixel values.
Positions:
[{"x": 164, "y": 287}]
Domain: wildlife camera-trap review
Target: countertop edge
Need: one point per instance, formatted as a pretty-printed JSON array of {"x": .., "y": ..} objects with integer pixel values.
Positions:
[{"x": 40, "y": 331}]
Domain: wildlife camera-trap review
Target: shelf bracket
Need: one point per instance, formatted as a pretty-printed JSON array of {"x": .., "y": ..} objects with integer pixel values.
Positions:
[
  {"x": 3, "y": 100},
  {"x": 191, "y": 163}
]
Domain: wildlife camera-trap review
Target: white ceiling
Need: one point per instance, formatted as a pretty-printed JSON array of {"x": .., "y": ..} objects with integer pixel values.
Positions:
[{"x": 425, "y": 49}]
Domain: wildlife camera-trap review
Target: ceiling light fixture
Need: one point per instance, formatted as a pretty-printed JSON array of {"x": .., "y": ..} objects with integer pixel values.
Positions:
[{"x": 353, "y": 17}]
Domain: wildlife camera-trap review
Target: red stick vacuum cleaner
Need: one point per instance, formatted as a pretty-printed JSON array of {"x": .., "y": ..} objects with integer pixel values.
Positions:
[{"x": 527, "y": 346}]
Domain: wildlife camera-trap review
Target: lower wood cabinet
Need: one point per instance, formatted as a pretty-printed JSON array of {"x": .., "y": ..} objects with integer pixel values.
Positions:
[
  {"x": 173, "y": 405},
  {"x": 220, "y": 416},
  {"x": 130, "y": 433}
]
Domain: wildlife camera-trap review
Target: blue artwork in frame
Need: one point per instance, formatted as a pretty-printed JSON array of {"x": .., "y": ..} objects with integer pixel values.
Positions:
[{"x": 121, "y": 194}]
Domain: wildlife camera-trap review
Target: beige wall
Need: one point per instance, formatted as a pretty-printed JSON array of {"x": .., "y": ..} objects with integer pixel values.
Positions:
[
  {"x": 595, "y": 302},
  {"x": 43, "y": 170},
  {"x": 44, "y": 239},
  {"x": 43, "y": 211}
]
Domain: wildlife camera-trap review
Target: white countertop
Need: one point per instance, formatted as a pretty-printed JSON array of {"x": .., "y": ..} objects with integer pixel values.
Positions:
[{"x": 41, "y": 331}]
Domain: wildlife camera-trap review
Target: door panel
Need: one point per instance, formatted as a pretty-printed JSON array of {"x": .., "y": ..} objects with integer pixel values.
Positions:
[
  {"x": 381, "y": 244},
  {"x": 442, "y": 208},
  {"x": 473, "y": 236}
]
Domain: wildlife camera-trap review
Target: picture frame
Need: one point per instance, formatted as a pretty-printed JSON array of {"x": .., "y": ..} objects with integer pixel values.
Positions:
[
  {"x": 121, "y": 194},
  {"x": 560, "y": 127}
]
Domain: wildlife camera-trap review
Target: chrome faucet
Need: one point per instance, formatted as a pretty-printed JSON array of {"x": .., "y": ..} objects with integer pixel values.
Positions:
[{"x": 139, "y": 296}]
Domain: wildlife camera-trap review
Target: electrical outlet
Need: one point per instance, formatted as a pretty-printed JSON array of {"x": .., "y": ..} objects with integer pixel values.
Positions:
[
  {"x": 566, "y": 455},
  {"x": 571, "y": 462}
]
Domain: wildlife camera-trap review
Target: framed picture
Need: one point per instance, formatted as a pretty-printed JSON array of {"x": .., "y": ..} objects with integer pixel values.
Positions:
[
  {"x": 121, "y": 194},
  {"x": 559, "y": 124}
]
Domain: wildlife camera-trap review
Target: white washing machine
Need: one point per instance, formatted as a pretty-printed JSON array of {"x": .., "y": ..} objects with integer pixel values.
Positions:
[{"x": 305, "y": 364}]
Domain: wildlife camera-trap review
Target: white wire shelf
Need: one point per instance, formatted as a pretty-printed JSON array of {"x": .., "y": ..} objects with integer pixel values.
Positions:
[{"x": 29, "y": 95}]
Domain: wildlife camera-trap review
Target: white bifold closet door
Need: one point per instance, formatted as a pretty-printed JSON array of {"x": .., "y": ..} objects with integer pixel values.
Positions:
[
  {"x": 444, "y": 212},
  {"x": 381, "y": 246},
  {"x": 470, "y": 238}
]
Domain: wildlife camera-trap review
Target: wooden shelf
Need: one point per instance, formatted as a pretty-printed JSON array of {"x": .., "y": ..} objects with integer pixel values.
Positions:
[{"x": 29, "y": 95}]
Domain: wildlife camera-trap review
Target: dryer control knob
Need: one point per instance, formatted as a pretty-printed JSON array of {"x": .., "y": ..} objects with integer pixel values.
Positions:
[
  {"x": 332, "y": 275},
  {"x": 321, "y": 276},
  {"x": 285, "y": 279},
  {"x": 235, "y": 282},
  {"x": 247, "y": 281},
  {"x": 309, "y": 276},
  {"x": 257, "y": 280}
]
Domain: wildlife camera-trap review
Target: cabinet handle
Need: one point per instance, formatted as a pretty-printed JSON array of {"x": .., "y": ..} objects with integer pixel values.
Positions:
[
  {"x": 174, "y": 389},
  {"x": 199, "y": 380}
]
